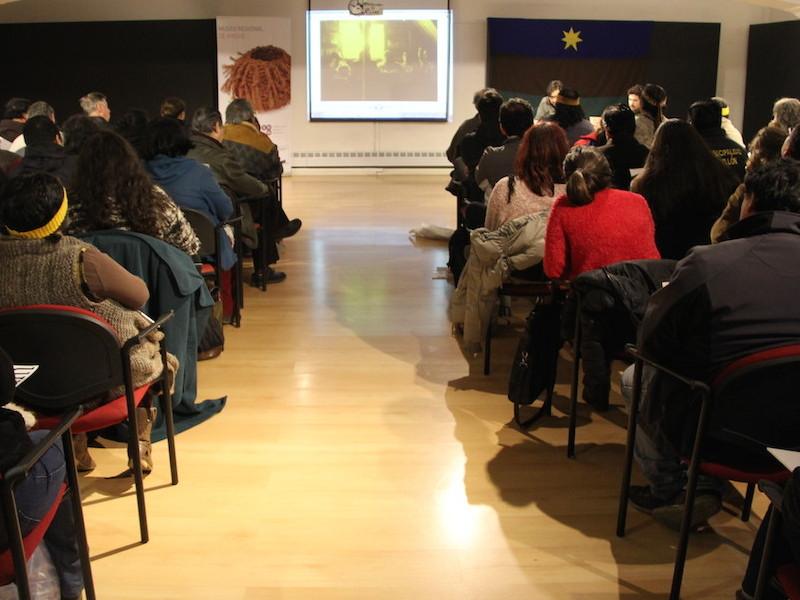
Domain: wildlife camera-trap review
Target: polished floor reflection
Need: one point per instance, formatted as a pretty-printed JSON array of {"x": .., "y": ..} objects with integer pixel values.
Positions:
[{"x": 361, "y": 455}]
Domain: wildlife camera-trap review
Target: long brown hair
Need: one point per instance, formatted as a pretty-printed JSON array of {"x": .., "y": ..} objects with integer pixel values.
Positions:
[
  {"x": 540, "y": 159},
  {"x": 110, "y": 175}
]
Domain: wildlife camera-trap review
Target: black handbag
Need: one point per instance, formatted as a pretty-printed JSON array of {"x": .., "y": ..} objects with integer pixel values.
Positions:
[{"x": 534, "y": 367}]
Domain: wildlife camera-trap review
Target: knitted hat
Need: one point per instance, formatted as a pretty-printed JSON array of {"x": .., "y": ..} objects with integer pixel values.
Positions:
[{"x": 47, "y": 228}]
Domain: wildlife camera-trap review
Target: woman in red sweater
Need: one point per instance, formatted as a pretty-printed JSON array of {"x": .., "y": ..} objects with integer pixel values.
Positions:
[{"x": 592, "y": 225}]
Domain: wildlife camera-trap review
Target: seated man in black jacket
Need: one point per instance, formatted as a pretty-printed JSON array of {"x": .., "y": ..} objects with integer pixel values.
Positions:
[
  {"x": 723, "y": 302},
  {"x": 44, "y": 151},
  {"x": 622, "y": 150},
  {"x": 706, "y": 117}
]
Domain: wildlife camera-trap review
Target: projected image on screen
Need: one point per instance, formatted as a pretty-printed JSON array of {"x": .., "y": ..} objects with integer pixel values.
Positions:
[
  {"x": 389, "y": 67},
  {"x": 379, "y": 60}
]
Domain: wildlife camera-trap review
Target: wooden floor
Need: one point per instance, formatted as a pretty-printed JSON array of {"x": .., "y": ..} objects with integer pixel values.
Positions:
[{"x": 362, "y": 456}]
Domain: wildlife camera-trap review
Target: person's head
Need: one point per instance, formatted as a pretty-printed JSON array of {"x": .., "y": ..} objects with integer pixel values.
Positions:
[
  {"x": 653, "y": 101},
  {"x": 95, "y": 104},
  {"x": 568, "y": 108},
  {"x": 40, "y": 107},
  {"x": 40, "y": 131},
  {"x": 173, "y": 107},
  {"x": 587, "y": 172},
  {"x": 208, "y": 121},
  {"x": 635, "y": 98},
  {"x": 168, "y": 137},
  {"x": 16, "y": 109},
  {"x": 553, "y": 90},
  {"x": 516, "y": 116},
  {"x": 110, "y": 176},
  {"x": 132, "y": 125},
  {"x": 76, "y": 130},
  {"x": 786, "y": 113},
  {"x": 619, "y": 122},
  {"x": 33, "y": 206},
  {"x": 705, "y": 115},
  {"x": 724, "y": 108},
  {"x": 791, "y": 146},
  {"x": 774, "y": 186},
  {"x": 540, "y": 158},
  {"x": 489, "y": 106},
  {"x": 240, "y": 111},
  {"x": 478, "y": 95},
  {"x": 765, "y": 147}
]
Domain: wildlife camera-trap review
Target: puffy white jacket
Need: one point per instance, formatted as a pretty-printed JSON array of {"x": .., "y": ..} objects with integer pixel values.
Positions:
[{"x": 493, "y": 255}]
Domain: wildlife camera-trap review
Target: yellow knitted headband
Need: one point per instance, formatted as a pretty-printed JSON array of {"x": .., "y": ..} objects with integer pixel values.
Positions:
[{"x": 48, "y": 228}]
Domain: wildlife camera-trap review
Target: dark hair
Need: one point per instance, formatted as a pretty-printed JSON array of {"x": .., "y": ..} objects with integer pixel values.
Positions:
[
  {"x": 681, "y": 173},
  {"x": 206, "y": 119},
  {"x": 479, "y": 94},
  {"x": 567, "y": 115},
  {"x": 635, "y": 90},
  {"x": 653, "y": 98},
  {"x": 775, "y": 186},
  {"x": 588, "y": 172},
  {"x": 540, "y": 159},
  {"x": 619, "y": 121},
  {"x": 31, "y": 200},
  {"x": 109, "y": 177},
  {"x": 765, "y": 147},
  {"x": 516, "y": 116},
  {"x": 168, "y": 137},
  {"x": 705, "y": 115},
  {"x": 76, "y": 130},
  {"x": 16, "y": 108},
  {"x": 791, "y": 146},
  {"x": 39, "y": 130},
  {"x": 489, "y": 106},
  {"x": 133, "y": 127},
  {"x": 553, "y": 86},
  {"x": 172, "y": 106}
]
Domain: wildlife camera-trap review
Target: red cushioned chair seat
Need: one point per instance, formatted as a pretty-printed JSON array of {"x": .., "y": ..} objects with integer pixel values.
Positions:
[
  {"x": 207, "y": 269},
  {"x": 30, "y": 541},
  {"x": 732, "y": 474},
  {"x": 101, "y": 417},
  {"x": 789, "y": 578}
]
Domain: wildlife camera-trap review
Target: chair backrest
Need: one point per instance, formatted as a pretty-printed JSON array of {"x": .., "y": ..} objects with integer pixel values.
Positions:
[
  {"x": 7, "y": 380},
  {"x": 204, "y": 228},
  {"x": 757, "y": 398},
  {"x": 76, "y": 354}
]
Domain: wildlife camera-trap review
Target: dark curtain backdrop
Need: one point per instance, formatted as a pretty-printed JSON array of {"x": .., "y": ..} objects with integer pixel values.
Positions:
[
  {"x": 135, "y": 63},
  {"x": 772, "y": 71}
]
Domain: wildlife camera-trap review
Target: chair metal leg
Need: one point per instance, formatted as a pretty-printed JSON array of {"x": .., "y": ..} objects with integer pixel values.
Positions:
[
  {"x": 748, "y": 501},
  {"x": 17, "y": 548},
  {"x": 573, "y": 392},
  {"x": 630, "y": 444},
  {"x": 487, "y": 350},
  {"x": 77, "y": 515},
  {"x": 688, "y": 507},
  {"x": 138, "y": 477},
  {"x": 764, "y": 571},
  {"x": 166, "y": 408}
]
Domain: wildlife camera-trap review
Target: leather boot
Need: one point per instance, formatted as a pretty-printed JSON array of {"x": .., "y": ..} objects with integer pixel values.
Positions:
[
  {"x": 144, "y": 426},
  {"x": 83, "y": 461}
]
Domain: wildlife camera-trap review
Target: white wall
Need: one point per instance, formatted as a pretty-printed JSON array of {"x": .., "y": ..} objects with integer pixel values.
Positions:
[{"x": 469, "y": 50}]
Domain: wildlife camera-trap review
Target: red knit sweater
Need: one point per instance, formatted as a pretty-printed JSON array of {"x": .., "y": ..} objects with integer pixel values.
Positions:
[{"x": 615, "y": 226}]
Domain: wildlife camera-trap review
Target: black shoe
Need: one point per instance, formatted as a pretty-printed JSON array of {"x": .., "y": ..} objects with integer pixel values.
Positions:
[
  {"x": 289, "y": 229},
  {"x": 256, "y": 279},
  {"x": 706, "y": 505},
  {"x": 643, "y": 499},
  {"x": 274, "y": 276}
]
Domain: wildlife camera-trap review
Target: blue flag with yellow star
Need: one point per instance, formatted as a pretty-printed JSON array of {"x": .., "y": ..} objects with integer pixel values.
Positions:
[{"x": 600, "y": 59}]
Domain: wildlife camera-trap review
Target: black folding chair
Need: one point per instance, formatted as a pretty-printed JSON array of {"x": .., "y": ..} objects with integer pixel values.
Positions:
[
  {"x": 728, "y": 409},
  {"x": 13, "y": 561},
  {"x": 48, "y": 336}
]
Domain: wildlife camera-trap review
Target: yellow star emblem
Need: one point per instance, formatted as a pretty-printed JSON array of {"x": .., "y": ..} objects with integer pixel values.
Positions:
[{"x": 571, "y": 39}]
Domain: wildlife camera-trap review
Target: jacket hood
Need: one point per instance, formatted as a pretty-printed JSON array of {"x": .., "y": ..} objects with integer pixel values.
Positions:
[
  {"x": 761, "y": 223},
  {"x": 166, "y": 169}
]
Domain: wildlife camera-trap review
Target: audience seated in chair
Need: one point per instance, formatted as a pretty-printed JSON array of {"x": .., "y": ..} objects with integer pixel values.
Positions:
[
  {"x": 706, "y": 117},
  {"x": 95, "y": 106},
  {"x": 15, "y": 114},
  {"x": 723, "y": 302},
  {"x": 38, "y": 108},
  {"x": 685, "y": 186},
  {"x": 112, "y": 190},
  {"x": 538, "y": 177},
  {"x": 594, "y": 225},
  {"x": 547, "y": 105},
  {"x": 44, "y": 151},
  {"x": 785, "y": 114},
  {"x": 570, "y": 116},
  {"x": 468, "y": 126},
  {"x": 75, "y": 131},
  {"x": 39, "y": 265},
  {"x": 622, "y": 150},
  {"x": 650, "y": 115}
]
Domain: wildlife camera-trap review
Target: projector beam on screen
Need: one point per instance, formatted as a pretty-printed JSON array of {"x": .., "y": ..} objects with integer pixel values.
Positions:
[{"x": 391, "y": 67}]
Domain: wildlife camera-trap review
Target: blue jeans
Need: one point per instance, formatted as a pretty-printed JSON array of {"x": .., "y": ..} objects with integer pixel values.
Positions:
[
  {"x": 34, "y": 496},
  {"x": 658, "y": 461}
]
